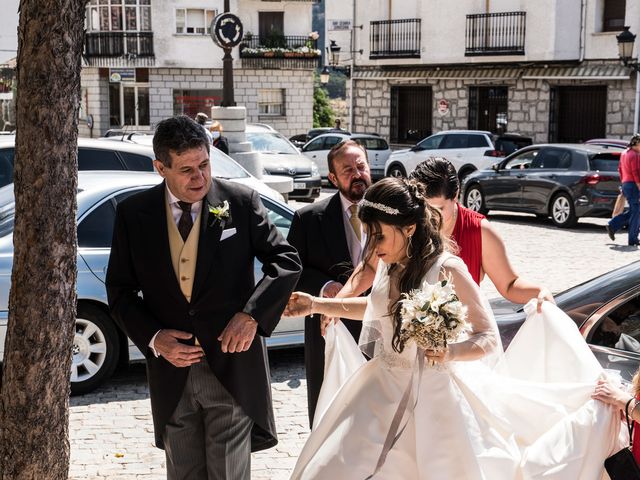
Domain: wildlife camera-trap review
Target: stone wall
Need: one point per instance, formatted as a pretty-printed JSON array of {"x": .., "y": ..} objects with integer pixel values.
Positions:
[
  {"x": 298, "y": 85},
  {"x": 528, "y": 107}
]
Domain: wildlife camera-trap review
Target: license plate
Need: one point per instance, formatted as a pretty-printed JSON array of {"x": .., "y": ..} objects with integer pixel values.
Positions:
[{"x": 299, "y": 186}]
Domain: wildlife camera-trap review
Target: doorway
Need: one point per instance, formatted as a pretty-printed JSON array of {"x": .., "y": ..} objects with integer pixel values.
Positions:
[{"x": 488, "y": 107}]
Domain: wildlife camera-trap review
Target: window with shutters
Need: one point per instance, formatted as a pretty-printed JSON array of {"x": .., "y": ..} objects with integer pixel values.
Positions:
[
  {"x": 271, "y": 102},
  {"x": 613, "y": 15},
  {"x": 194, "y": 21}
]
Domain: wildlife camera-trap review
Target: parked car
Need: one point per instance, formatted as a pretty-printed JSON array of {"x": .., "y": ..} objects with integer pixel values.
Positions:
[
  {"x": 314, "y": 132},
  {"x": 99, "y": 345},
  {"x": 467, "y": 150},
  {"x": 378, "y": 150},
  {"x": 280, "y": 157},
  {"x": 607, "y": 311},
  {"x": 613, "y": 143},
  {"x": 563, "y": 181},
  {"x": 298, "y": 140},
  {"x": 134, "y": 152}
]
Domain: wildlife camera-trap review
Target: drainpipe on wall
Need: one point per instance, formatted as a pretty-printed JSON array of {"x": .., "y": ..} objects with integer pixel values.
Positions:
[
  {"x": 353, "y": 64},
  {"x": 583, "y": 29},
  {"x": 636, "y": 112}
]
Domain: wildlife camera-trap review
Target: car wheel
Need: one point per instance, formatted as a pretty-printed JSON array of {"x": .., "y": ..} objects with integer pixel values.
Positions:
[
  {"x": 95, "y": 349},
  {"x": 462, "y": 174},
  {"x": 562, "y": 211},
  {"x": 474, "y": 200},
  {"x": 396, "y": 170}
]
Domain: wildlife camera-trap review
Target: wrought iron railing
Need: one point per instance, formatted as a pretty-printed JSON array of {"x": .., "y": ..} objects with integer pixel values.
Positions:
[
  {"x": 395, "y": 38},
  {"x": 118, "y": 44},
  {"x": 495, "y": 34}
]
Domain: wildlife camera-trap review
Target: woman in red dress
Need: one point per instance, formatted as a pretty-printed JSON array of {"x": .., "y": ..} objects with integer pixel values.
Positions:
[{"x": 475, "y": 240}]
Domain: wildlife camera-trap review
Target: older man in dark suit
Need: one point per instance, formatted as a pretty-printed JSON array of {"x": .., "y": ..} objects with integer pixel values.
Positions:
[
  {"x": 330, "y": 240},
  {"x": 181, "y": 285}
]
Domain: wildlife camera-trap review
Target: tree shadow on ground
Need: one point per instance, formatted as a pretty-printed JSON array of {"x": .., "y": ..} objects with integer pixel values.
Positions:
[
  {"x": 584, "y": 225},
  {"x": 130, "y": 382}
]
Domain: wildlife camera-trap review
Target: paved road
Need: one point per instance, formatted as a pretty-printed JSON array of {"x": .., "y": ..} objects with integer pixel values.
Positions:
[{"x": 111, "y": 429}]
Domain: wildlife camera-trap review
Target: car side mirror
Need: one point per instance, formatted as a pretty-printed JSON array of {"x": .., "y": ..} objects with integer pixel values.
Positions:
[
  {"x": 495, "y": 167},
  {"x": 416, "y": 148}
]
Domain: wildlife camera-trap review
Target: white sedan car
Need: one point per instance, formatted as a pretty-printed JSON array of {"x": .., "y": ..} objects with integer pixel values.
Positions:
[
  {"x": 378, "y": 150},
  {"x": 99, "y": 345}
]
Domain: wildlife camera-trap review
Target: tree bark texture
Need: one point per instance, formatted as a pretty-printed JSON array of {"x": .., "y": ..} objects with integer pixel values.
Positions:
[{"x": 34, "y": 401}]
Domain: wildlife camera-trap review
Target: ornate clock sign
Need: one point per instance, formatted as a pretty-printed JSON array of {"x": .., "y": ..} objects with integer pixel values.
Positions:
[{"x": 226, "y": 30}]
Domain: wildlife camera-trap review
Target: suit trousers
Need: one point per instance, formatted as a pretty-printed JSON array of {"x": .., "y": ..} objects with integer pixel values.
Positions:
[{"x": 208, "y": 436}]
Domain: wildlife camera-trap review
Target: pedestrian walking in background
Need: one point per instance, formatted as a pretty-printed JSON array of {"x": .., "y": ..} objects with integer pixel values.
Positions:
[
  {"x": 220, "y": 142},
  {"x": 201, "y": 119},
  {"x": 629, "y": 169}
]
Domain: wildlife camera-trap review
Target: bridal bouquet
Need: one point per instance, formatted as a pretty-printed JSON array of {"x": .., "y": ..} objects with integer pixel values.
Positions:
[{"x": 432, "y": 316}]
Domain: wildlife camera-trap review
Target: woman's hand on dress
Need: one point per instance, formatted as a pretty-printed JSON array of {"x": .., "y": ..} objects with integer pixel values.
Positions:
[
  {"x": 544, "y": 295},
  {"x": 299, "y": 304},
  {"x": 607, "y": 392},
  {"x": 437, "y": 356},
  {"x": 325, "y": 322}
]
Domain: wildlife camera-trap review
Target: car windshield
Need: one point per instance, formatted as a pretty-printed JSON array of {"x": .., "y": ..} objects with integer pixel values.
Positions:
[
  {"x": 372, "y": 143},
  {"x": 510, "y": 145},
  {"x": 225, "y": 167},
  {"x": 604, "y": 162},
  {"x": 271, "y": 142}
]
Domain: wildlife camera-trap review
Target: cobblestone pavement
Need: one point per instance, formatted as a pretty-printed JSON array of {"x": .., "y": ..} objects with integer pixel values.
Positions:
[{"x": 111, "y": 430}]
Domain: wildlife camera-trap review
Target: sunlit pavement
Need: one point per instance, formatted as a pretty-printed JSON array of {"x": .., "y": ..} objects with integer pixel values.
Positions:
[{"x": 111, "y": 429}]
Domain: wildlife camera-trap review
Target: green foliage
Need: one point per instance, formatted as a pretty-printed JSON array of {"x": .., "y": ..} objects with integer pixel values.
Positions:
[
  {"x": 322, "y": 113},
  {"x": 337, "y": 86}
]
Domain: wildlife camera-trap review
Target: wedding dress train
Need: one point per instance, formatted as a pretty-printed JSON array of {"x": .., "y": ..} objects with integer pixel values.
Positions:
[{"x": 523, "y": 415}]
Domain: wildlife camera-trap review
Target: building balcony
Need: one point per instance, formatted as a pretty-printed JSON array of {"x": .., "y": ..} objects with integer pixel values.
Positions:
[
  {"x": 495, "y": 34},
  {"x": 395, "y": 39},
  {"x": 279, "y": 52},
  {"x": 119, "y": 49}
]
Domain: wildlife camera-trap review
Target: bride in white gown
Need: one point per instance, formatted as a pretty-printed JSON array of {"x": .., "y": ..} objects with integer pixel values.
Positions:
[{"x": 471, "y": 412}]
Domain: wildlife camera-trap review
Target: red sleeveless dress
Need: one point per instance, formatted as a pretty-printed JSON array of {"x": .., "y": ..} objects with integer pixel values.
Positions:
[{"x": 468, "y": 236}]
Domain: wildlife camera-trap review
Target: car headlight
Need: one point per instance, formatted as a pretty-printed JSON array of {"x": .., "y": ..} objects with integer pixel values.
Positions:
[{"x": 314, "y": 169}]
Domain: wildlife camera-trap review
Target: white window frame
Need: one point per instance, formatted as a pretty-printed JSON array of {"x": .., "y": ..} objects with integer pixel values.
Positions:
[
  {"x": 94, "y": 12},
  {"x": 204, "y": 28},
  {"x": 272, "y": 102}
]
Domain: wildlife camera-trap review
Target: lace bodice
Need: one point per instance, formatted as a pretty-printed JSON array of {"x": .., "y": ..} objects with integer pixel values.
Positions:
[{"x": 378, "y": 325}]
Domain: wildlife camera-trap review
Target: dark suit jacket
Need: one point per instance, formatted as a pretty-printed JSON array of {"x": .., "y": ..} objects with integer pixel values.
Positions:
[{"x": 140, "y": 263}]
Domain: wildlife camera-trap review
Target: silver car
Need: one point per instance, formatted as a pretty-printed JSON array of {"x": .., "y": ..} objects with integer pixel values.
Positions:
[
  {"x": 378, "y": 150},
  {"x": 99, "y": 345},
  {"x": 280, "y": 157}
]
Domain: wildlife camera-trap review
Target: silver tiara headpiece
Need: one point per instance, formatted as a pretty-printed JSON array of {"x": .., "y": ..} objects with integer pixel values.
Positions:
[{"x": 379, "y": 206}]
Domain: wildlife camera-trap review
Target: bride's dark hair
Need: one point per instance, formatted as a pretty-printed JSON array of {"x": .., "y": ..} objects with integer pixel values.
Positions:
[{"x": 401, "y": 203}]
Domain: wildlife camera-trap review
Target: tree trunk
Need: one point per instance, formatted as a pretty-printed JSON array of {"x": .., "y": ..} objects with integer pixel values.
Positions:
[{"x": 34, "y": 408}]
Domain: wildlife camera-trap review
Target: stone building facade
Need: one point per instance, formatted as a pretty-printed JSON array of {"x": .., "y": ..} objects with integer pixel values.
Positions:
[
  {"x": 145, "y": 60},
  {"x": 164, "y": 82},
  {"x": 529, "y": 102},
  {"x": 547, "y": 69}
]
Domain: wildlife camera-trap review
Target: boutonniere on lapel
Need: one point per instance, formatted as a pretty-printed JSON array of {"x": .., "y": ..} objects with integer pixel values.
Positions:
[{"x": 219, "y": 213}]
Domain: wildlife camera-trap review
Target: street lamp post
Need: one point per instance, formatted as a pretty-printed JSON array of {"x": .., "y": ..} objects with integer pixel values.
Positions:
[{"x": 626, "y": 41}]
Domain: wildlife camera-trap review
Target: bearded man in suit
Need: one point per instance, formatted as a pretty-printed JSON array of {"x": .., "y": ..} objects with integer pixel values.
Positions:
[
  {"x": 329, "y": 238},
  {"x": 181, "y": 285}
]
